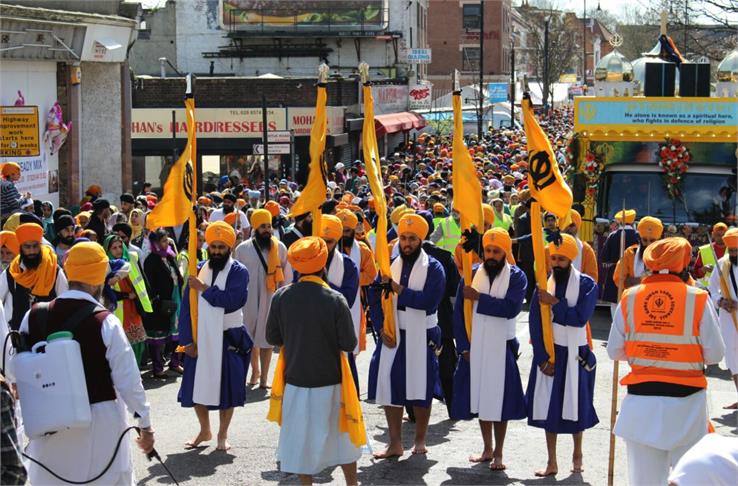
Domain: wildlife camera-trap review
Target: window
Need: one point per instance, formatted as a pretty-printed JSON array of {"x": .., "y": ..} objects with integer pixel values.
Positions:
[
  {"x": 470, "y": 58},
  {"x": 471, "y": 14}
]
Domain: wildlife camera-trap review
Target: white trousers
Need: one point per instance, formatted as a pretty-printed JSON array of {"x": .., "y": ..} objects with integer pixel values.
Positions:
[{"x": 648, "y": 466}]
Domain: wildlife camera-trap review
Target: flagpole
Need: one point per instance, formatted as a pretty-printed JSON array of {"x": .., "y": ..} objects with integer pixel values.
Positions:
[{"x": 192, "y": 240}]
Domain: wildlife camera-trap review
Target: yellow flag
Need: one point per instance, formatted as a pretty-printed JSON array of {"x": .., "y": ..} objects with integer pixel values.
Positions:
[
  {"x": 176, "y": 203},
  {"x": 550, "y": 193},
  {"x": 371, "y": 161},
  {"x": 314, "y": 193},
  {"x": 467, "y": 198},
  {"x": 544, "y": 179}
]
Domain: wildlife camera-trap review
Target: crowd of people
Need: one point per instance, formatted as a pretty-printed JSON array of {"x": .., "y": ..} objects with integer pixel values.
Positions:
[{"x": 267, "y": 278}]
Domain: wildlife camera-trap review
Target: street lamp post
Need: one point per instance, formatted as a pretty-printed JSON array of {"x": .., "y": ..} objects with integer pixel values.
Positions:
[
  {"x": 512, "y": 82},
  {"x": 584, "y": 46},
  {"x": 480, "y": 114}
]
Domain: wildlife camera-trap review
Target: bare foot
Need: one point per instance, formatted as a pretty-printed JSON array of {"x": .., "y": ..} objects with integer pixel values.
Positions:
[
  {"x": 201, "y": 437},
  {"x": 576, "y": 466},
  {"x": 731, "y": 407},
  {"x": 254, "y": 380},
  {"x": 497, "y": 464},
  {"x": 223, "y": 444},
  {"x": 551, "y": 470},
  {"x": 486, "y": 456},
  {"x": 391, "y": 451},
  {"x": 420, "y": 448}
]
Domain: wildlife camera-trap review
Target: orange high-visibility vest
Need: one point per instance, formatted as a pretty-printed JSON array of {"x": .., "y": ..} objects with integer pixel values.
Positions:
[{"x": 662, "y": 327}]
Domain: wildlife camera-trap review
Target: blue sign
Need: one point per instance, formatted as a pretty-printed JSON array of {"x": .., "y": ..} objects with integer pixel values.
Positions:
[{"x": 497, "y": 92}]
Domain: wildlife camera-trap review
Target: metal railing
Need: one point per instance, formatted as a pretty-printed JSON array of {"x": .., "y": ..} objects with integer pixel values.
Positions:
[{"x": 363, "y": 17}]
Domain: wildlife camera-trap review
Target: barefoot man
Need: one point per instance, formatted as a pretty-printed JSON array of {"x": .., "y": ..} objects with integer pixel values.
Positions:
[
  {"x": 405, "y": 372},
  {"x": 560, "y": 395},
  {"x": 487, "y": 380},
  {"x": 215, "y": 366}
]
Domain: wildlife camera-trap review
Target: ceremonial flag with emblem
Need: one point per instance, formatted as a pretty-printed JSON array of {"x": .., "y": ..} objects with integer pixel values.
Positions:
[
  {"x": 381, "y": 250},
  {"x": 467, "y": 198},
  {"x": 550, "y": 192},
  {"x": 176, "y": 205},
  {"x": 314, "y": 193}
]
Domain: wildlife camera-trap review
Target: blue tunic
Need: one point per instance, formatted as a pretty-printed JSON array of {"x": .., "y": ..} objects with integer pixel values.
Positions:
[
  {"x": 349, "y": 289},
  {"x": 513, "y": 402},
  {"x": 576, "y": 316},
  {"x": 610, "y": 256},
  {"x": 427, "y": 300},
  {"x": 235, "y": 362}
]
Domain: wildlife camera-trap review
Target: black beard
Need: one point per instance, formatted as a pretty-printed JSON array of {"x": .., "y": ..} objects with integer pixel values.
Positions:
[
  {"x": 412, "y": 256},
  {"x": 31, "y": 262},
  {"x": 561, "y": 275},
  {"x": 347, "y": 241},
  {"x": 228, "y": 209},
  {"x": 306, "y": 228},
  {"x": 218, "y": 262},
  {"x": 263, "y": 240},
  {"x": 493, "y": 268},
  {"x": 733, "y": 260},
  {"x": 67, "y": 241}
]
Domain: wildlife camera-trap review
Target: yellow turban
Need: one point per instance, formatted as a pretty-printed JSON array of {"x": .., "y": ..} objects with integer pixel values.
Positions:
[
  {"x": 240, "y": 203},
  {"x": 489, "y": 214},
  {"x": 9, "y": 168},
  {"x": 308, "y": 255},
  {"x": 12, "y": 222},
  {"x": 413, "y": 223},
  {"x": 651, "y": 227},
  {"x": 259, "y": 217},
  {"x": 397, "y": 213},
  {"x": 8, "y": 240},
  {"x": 567, "y": 248},
  {"x": 348, "y": 218},
  {"x": 86, "y": 262},
  {"x": 220, "y": 231},
  {"x": 630, "y": 216},
  {"x": 439, "y": 208},
  {"x": 29, "y": 232},
  {"x": 672, "y": 254},
  {"x": 574, "y": 218},
  {"x": 718, "y": 227},
  {"x": 331, "y": 227},
  {"x": 84, "y": 215},
  {"x": 730, "y": 238},
  {"x": 501, "y": 239}
]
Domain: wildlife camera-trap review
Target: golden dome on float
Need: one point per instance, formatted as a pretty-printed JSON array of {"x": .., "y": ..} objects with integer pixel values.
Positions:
[
  {"x": 614, "y": 67},
  {"x": 727, "y": 70}
]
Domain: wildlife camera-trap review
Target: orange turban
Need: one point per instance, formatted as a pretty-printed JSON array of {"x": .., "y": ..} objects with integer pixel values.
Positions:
[
  {"x": 94, "y": 189},
  {"x": 231, "y": 218},
  {"x": 718, "y": 227},
  {"x": 29, "y": 232},
  {"x": 8, "y": 240},
  {"x": 348, "y": 219},
  {"x": 501, "y": 239},
  {"x": 240, "y": 203},
  {"x": 630, "y": 216},
  {"x": 308, "y": 255},
  {"x": 220, "y": 231},
  {"x": 272, "y": 207},
  {"x": 397, "y": 213},
  {"x": 439, "y": 208},
  {"x": 730, "y": 238},
  {"x": 574, "y": 218},
  {"x": 567, "y": 248},
  {"x": 413, "y": 223},
  {"x": 331, "y": 227},
  {"x": 672, "y": 254},
  {"x": 86, "y": 262},
  {"x": 203, "y": 201},
  {"x": 489, "y": 214},
  {"x": 10, "y": 168},
  {"x": 259, "y": 217},
  {"x": 651, "y": 227}
]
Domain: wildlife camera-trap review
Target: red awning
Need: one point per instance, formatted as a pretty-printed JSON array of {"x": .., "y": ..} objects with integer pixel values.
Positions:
[{"x": 398, "y": 122}]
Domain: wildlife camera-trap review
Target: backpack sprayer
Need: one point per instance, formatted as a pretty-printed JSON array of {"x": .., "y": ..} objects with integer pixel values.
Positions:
[{"x": 51, "y": 372}]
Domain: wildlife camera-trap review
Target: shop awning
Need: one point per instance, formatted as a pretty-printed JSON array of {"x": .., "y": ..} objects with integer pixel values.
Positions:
[{"x": 398, "y": 122}]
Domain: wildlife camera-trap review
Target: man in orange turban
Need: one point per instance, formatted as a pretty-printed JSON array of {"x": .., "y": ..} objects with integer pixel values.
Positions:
[
  {"x": 707, "y": 254},
  {"x": 419, "y": 281},
  {"x": 9, "y": 248},
  {"x": 110, "y": 373},
  {"x": 630, "y": 269},
  {"x": 241, "y": 222},
  {"x": 11, "y": 198},
  {"x": 217, "y": 346},
  {"x": 724, "y": 295},
  {"x": 265, "y": 257},
  {"x": 560, "y": 396},
  {"x": 498, "y": 290},
  {"x": 586, "y": 261},
  {"x": 667, "y": 331},
  {"x": 611, "y": 254},
  {"x": 32, "y": 276},
  {"x": 312, "y": 324},
  {"x": 489, "y": 221}
]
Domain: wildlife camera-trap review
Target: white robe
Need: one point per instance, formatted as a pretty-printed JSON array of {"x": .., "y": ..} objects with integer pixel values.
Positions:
[
  {"x": 256, "y": 309},
  {"x": 335, "y": 276},
  {"x": 80, "y": 454},
  {"x": 727, "y": 327}
]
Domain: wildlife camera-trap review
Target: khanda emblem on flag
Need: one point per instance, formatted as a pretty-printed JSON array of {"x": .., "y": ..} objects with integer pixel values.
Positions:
[
  {"x": 541, "y": 169},
  {"x": 187, "y": 181}
]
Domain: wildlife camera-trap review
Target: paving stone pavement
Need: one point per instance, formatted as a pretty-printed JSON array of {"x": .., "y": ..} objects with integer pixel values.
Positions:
[{"x": 252, "y": 457}]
